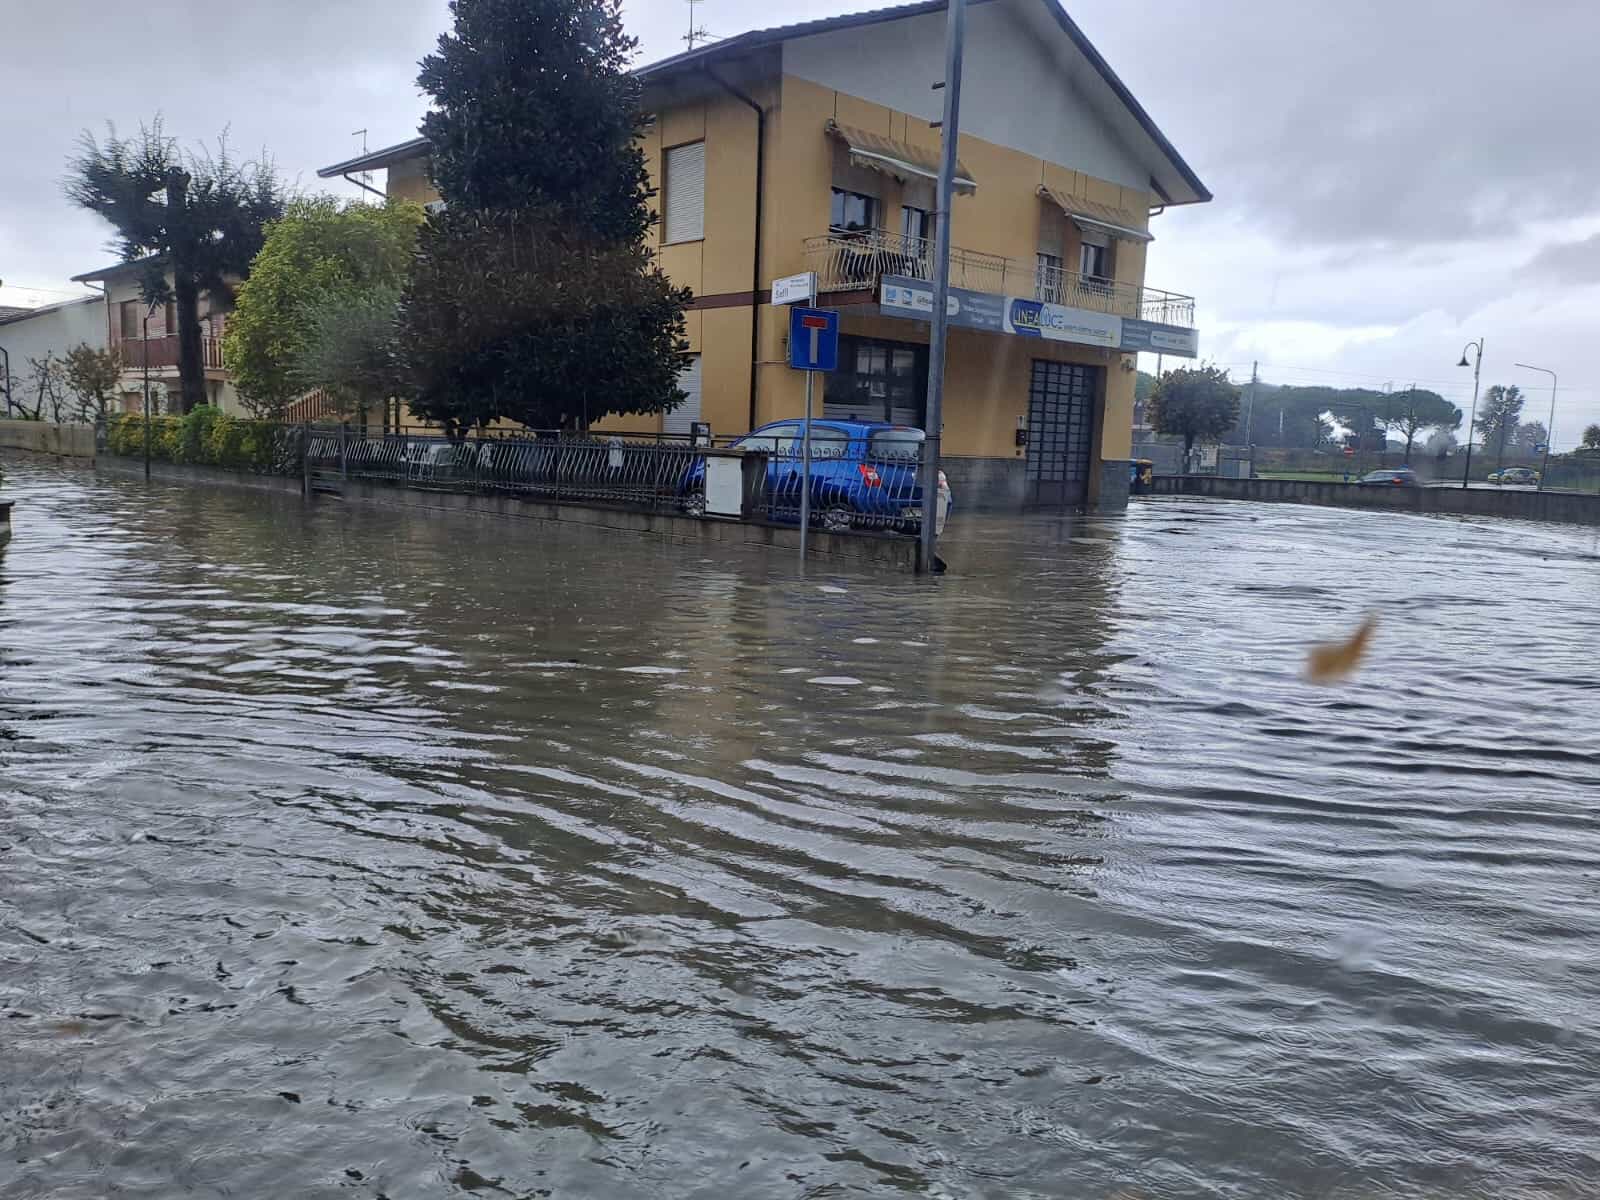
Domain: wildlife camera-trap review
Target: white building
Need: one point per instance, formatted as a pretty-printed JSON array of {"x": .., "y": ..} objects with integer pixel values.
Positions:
[{"x": 27, "y": 338}]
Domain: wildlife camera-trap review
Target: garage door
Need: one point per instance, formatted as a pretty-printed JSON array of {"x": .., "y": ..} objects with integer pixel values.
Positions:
[{"x": 1061, "y": 400}]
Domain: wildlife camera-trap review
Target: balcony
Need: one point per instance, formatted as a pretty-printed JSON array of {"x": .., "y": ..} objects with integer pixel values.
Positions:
[
  {"x": 846, "y": 262},
  {"x": 160, "y": 352}
]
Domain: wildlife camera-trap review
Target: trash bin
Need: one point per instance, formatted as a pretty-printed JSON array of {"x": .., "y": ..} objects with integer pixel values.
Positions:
[{"x": 1142, "y": 477}]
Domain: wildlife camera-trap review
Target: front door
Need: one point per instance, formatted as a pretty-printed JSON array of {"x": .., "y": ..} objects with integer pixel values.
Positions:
[{"x": 1061, "y": 400}]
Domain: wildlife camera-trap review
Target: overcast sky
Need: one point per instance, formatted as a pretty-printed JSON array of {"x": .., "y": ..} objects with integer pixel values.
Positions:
[{"x": 1392, "y": 177}]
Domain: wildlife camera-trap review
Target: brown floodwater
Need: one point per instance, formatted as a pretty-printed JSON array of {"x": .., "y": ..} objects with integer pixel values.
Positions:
[{"x": 349, "y": 853}]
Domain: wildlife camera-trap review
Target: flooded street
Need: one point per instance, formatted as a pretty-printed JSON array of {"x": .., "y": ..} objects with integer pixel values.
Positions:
[{"x": 347, "y": 853}]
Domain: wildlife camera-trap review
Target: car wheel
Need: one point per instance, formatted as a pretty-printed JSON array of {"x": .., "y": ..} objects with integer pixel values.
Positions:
[
  {"x": 836, "y": 518},
  {"x": 694, "y": 504}
]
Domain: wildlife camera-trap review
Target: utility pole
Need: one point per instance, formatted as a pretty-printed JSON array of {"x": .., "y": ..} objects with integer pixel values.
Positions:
[
  {"x": 1250, "y": 410},
  {"x": 955, "y": 42}
]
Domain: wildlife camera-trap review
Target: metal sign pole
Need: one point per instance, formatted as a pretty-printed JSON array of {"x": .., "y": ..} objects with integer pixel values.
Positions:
[
  {"x": 805, "y": 473},
  {"x": 955, "y": 46}
]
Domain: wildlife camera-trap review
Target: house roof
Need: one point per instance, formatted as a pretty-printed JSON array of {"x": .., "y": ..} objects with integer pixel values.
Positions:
[
  {"x": 121, "y": 268},
  {"x": 10, "y": 315},
  {"x": 377, "y": 160},
  {"x": 733, "y": 47}
]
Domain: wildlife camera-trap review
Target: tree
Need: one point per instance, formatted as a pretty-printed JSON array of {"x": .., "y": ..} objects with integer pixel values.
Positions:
[
  {"x": 351, "y": 349},
  {"x": 1591, "y": 439},
  {"x": 1440, "y": 443},
  {"x": 534, "y": 99},
  {"x": 533, "y": 296},
  {"x": 50, "y": 388},
  {"x": 1531, "y": 435},
  {"x": 318, "y": 249},
  {"x": 508, "y": 316},
  {"x": 1195, "y": 402},
  {"x": 1409, "y": 412},
  {"x": 196, "y": 216},
  {"x": 91, "y": 377},
  {"x": 1499, "y": 413}
]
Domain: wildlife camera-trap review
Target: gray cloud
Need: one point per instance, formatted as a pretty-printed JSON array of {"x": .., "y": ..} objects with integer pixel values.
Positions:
[{"x": 1569, "y": 262}]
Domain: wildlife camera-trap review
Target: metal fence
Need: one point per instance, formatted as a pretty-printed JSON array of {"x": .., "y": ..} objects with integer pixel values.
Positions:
[{"x": 850, "y": 492}]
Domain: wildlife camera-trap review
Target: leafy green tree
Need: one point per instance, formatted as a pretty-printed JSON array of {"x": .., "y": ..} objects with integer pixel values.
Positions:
[
  {"x": 1195, "y": 402},
  {"x": 1531, "y": 435},
  {"x": 91, "y": 376},
  {"x": 319, "y": 253},
  {"x": 534, "y": 99},
  {"x": 1410, "y": 412},
  {"x": 196, "y": 216},
  {"x": 1591, "y": 439},
  {"x": 351, "y": 349},
  {"x": 1499, "y": 414},
  {"x": 508, "y": 316},
  {"x": 533, "y": 297}
]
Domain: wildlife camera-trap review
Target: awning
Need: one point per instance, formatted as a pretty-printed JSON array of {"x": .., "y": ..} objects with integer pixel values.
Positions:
[
  {"x": 1098, "y": 218},
  {"x": 900, "y": 159}
]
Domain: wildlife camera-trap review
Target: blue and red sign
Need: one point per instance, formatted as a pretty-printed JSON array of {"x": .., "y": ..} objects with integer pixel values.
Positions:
[{"x": 813, "y": 339}]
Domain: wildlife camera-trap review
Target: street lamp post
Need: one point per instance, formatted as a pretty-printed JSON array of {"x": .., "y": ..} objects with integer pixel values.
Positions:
[
  {"x": 144, "y": 351},
  {"x": 1472, "y": 421},
  {"x": 1550, "y": 429}
]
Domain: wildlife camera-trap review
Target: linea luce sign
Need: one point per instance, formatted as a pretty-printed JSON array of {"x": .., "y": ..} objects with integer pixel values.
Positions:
[{"x": 1022, "y": 316}]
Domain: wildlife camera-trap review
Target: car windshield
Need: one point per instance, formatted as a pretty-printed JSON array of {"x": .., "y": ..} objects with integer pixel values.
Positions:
[{"x": 900, "y": 442}]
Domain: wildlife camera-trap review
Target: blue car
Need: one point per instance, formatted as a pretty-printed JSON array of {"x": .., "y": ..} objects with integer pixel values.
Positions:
[{"x": 864, "y": 475}]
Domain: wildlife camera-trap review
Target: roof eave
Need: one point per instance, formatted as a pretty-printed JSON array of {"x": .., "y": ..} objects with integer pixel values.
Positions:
[{"x": 377, "y": 160}]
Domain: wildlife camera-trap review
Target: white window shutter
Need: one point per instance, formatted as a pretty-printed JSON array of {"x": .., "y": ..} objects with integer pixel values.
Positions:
[
  {"x": 680, "y": 419},
  {"x": 686, "y": 193}
]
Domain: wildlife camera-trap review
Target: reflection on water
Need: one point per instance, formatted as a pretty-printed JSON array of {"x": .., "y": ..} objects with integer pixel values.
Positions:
[{"x": 350, "y": 853}]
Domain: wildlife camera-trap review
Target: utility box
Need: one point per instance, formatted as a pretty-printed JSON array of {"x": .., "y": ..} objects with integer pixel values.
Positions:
[{"x": 724, "y": 485}]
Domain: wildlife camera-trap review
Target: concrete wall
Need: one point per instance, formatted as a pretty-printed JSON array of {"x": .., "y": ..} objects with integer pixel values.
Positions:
[
  {"x": 42, "y": 437},
  {"x": 51, "y": 330},
  {"x": 1567, "y": 507}
]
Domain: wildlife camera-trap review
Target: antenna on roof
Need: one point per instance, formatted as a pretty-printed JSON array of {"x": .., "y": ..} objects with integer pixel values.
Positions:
[
  {"x": 697, "y": 33},
  {"x": 366, "y": 176}
]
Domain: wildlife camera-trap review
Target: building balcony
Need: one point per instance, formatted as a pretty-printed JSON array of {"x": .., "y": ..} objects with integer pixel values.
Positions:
[
  {"x": 160, "y": 353},
  {"x": 846, "y": 262}
]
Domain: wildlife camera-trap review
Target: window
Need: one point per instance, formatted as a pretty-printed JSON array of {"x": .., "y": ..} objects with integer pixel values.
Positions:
[
  {"x": 128, "y": 315},
  {"x": 681, "y": 419},
  {"x": 916, "y": 223},
  {"x": 1094, "y": 258},
  {"x": 878, "y": 381},
  {"x": 778, "y": 439},
  {"x": 685, "y": 194},
  {"x": 1048, "y": 280},
  {"x": 852, "y": 212},
  {"x": 896, "y": 443},
  {"x": 828, "y": 442}
]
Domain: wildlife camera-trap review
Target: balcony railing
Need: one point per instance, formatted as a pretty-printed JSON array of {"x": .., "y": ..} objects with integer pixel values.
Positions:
[
  {"x": 161, "y": 351},
  {"x": 856, "y": 261}
]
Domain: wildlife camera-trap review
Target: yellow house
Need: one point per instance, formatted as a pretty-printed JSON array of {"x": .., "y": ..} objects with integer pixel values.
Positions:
[{"x": 814, "y": 148}]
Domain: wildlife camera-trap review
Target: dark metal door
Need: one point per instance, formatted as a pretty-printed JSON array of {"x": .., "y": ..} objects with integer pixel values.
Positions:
[{"x": 1061, "y": 400}]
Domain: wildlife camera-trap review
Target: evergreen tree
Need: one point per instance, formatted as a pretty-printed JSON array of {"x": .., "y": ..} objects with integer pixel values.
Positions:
[
  {"x": 534, "y": 298},
  {"x": 197, "y": 216}
]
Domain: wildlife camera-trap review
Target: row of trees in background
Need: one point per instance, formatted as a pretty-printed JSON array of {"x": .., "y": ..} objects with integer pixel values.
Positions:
[
  {"x": 529, "y": 296},
  {"x": 76, "y": 386}
]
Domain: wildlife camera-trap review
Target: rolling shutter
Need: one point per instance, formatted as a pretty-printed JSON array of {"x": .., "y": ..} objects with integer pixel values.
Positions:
[
  {"x": 679, "y": 420},
  {"x": 686, "y": 193}
]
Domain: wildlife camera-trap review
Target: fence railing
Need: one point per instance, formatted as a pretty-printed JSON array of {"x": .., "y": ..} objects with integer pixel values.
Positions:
[
  {"x": 161, "y": 350},
  {"x": 857, "y": 261},
  {"x": 850, "y": 491}
]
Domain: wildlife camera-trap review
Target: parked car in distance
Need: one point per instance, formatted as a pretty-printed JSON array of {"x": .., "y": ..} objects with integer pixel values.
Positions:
[
  {"x": 864, "y": 475},
  {"x": 1401, "y": 477},
  {"x": 1520, "y": 476}
]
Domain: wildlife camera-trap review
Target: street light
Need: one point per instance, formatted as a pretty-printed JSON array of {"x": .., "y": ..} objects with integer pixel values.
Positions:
[
  {"x": 1472, "y": 422},
  {"x": 1550, "y": 429}
]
